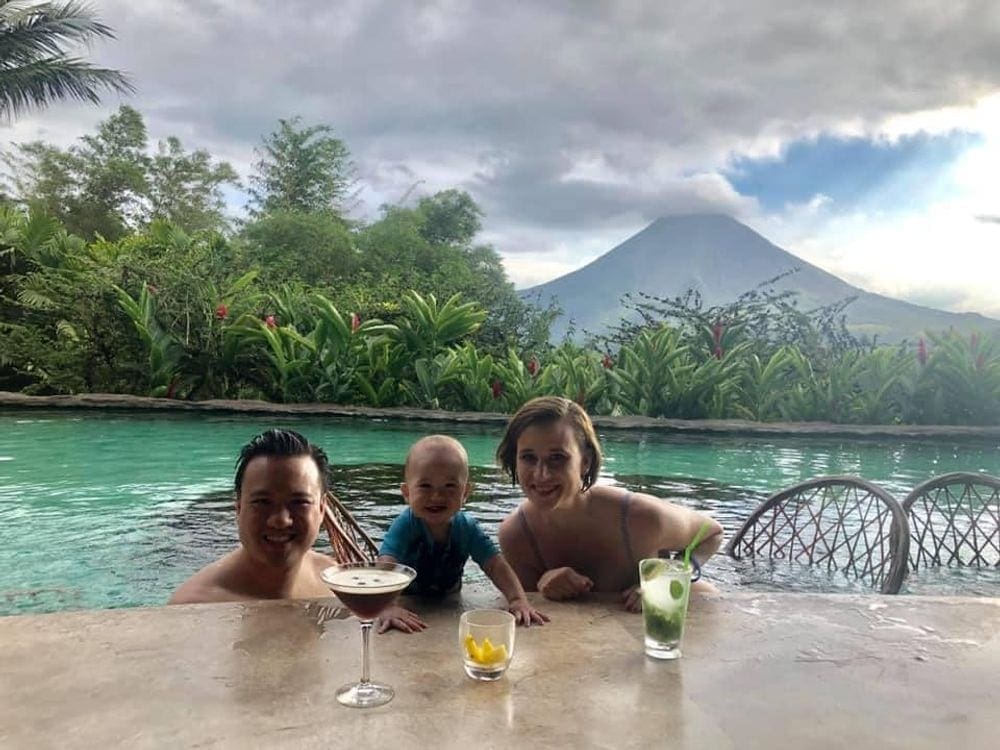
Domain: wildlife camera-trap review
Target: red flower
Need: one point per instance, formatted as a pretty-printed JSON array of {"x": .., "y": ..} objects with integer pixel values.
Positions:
[
  {"x": 533, "y": 366},
  {"x": 355, "y": 322},
  {"x": 607, "y": 362},
  {"x": 922, "y": 352},
  {"x": 270, "y": 322},
  {"x": 497, "y": 387},
  {"x": 717, "y": 330},
  {"x": 222, "y": 311}
]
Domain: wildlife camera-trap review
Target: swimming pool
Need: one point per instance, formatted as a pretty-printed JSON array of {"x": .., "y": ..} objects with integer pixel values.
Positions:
[{"x": 115, "y": 509}]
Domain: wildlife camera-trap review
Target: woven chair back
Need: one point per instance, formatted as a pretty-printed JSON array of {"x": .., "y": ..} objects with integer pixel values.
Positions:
[
  {"x": 842, "y": 523},
  {"x": 349, "y": 541},
  {"x": 955, "y": 521}
]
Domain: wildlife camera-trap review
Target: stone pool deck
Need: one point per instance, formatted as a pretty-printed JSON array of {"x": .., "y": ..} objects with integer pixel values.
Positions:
[
  {"x": 113, "y": 401},
  {"x": 759, "y": 670}
]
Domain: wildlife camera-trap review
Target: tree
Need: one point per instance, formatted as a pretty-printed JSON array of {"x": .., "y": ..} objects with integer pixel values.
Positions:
[
  {"x": 429, "y": 249},
  {"x": 185, "y": 188},
  {"x": 450, "y": 217},
  {"x": 301, "y": 169},
  {"x": 288, "y": 246},
  {"x": 34, "y": 68},
  {"x": 108, "y": 185}
]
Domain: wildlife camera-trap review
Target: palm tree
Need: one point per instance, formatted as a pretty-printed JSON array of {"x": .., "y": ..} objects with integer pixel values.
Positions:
[{"x": 34, "y": 68}]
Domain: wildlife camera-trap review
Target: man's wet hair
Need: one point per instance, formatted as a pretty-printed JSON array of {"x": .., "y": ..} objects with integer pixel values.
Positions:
[{"x": 281, "y": 444}]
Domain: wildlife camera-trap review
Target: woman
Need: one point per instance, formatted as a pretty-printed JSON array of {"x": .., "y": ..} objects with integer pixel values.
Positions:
[{"x": 571, "y": 536}]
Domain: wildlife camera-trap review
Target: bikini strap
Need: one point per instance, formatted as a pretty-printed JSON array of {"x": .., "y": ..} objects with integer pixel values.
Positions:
[
  {"x": 531, "y": 540},
  {"x": 626, "y": 537}
]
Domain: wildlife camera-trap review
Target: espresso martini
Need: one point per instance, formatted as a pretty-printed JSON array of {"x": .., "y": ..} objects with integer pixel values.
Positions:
[
  {"x": 366, "y": 591},
  {"x": 366, "y": 588}
]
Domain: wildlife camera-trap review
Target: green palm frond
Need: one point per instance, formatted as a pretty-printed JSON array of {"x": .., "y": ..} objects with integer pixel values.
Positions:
[
  {"x": 35, "y": 300},
  {"x": 28, "y": 29},
  {"x": 34, "y": 69}
]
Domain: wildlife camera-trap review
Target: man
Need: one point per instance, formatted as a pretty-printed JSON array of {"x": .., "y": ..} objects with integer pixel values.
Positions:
[{"x": 281, "y": 479}]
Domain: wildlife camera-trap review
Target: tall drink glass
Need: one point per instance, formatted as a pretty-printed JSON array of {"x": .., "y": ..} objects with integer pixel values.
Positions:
[
  {"x": 366, "y": 589},
  {"x": 666, "y": 586}
]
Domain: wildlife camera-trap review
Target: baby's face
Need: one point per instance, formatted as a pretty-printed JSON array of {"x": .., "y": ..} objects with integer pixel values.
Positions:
[{"x": 437, "y": 483}]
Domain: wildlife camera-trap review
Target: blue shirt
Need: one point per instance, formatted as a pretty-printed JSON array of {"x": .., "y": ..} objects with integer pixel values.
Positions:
[{"x": 439, "y": 565}]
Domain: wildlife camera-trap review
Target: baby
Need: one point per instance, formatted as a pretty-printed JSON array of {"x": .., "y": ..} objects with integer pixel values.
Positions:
[{"x": 435, "y": 537}]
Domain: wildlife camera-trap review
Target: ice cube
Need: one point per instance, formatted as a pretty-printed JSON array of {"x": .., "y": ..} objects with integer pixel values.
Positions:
[{"x": 657, "y": 594}]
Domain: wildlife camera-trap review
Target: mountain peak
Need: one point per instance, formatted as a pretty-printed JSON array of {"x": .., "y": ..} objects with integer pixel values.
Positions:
[{"x": 722, "y": 258}]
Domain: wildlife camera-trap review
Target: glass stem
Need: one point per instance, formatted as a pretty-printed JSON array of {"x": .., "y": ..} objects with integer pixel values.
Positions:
[{"x": 366, "y": 629}]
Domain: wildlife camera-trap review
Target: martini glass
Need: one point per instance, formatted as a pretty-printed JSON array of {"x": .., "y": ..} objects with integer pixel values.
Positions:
[{"x": 367, "y": 588}]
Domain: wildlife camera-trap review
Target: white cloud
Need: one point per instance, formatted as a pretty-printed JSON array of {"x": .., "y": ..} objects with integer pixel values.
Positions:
[
  {"x": 940, "y": 254},
  {"x": 575, "y": 124}
]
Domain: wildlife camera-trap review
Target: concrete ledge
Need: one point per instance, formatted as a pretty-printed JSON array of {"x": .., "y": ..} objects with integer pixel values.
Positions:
[{"x": 123, "y": 402}]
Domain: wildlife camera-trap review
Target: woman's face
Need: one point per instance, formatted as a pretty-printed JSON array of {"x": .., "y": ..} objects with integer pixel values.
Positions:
[{"x": 550, "y": 463}]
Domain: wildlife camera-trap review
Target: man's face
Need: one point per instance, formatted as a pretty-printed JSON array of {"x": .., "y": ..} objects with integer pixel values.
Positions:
[{"x": 279, "y": 509}]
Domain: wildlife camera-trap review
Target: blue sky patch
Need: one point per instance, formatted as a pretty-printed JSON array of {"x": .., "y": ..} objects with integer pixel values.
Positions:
[{"x": 901, "y": 175}]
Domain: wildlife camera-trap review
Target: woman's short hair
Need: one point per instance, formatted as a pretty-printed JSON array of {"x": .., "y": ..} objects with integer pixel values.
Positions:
[{"x": 546, "y": 410}]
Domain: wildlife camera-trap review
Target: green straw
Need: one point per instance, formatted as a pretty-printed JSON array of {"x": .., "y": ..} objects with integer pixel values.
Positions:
[{"x": 695, "y": 542}]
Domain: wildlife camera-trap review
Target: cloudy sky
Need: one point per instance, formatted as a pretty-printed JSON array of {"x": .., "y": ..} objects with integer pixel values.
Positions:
[{"x": 862, "y": 136}]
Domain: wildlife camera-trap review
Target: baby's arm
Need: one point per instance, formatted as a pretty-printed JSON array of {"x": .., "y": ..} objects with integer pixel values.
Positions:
[
  {"x": 396, "y": 616},
  {"x": 504, "y": 578}
]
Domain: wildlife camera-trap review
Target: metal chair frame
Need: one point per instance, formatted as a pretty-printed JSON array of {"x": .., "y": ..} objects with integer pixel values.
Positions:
[
  {"x": 811, "y": 523},
  {"x": 955, "y": 520}
]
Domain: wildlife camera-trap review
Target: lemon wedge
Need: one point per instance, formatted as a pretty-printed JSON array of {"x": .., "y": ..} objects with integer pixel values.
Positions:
[{"x": 485, "y": 653}]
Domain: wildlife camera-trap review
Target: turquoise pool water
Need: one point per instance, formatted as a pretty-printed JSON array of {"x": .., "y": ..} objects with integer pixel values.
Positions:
[{"x": 115, "y": 510}]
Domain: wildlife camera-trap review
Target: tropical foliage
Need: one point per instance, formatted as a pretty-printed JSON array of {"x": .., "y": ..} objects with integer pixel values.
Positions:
[{"x": 121, "y": 272}]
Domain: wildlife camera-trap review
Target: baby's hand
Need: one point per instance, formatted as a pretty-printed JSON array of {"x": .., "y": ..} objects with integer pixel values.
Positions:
[
  {"x": 632, "y": 598},
  {"x": 525, "y": 614},
  {"x": 563, "y": 583},
  {"x": 401, "y": 619}
]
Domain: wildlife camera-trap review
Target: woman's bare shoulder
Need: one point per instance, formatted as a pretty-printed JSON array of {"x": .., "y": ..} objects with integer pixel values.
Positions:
[{"x": 511, "y": 530}]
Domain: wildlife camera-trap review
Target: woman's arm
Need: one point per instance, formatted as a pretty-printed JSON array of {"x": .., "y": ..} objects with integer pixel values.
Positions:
[{"x": 656, "y": 524}]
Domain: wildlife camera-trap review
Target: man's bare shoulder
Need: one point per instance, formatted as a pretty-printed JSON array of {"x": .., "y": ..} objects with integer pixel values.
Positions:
[
  {"x": 208, "y": 584},
  {"x": 320, "y": 561}
]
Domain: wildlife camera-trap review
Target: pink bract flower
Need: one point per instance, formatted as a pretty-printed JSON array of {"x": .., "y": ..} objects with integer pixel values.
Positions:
[{"x": 270, "y": 322}]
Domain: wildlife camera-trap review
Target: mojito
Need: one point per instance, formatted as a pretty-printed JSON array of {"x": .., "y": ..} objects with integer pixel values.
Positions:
[{"x": 665, "y": 585}]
